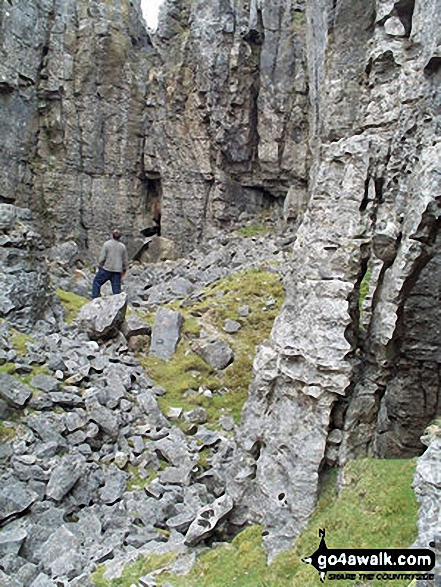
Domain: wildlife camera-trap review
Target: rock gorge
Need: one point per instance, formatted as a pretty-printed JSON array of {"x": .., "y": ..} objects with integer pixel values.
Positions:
[{"x": 324, "y": 114}]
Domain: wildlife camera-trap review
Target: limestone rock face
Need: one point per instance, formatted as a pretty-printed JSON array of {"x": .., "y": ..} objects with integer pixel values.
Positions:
[
  {"x": 427, "y": 486},
  {"x": 73, "y": 77},
  {"x": 106, "y": 126},
  {"x": 355, "y": 350},
  {"x": 24, "y": 280},
  {"x": 228, "y": 133}
]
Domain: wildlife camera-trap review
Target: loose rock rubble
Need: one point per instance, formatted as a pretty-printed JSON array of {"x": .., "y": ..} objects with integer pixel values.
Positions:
[{"x": 91, "y": 470}]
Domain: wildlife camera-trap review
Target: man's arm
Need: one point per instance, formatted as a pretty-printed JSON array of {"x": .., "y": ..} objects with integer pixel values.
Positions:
[
  {"x": 125, "y": 261},
  {"x": 103, "y": 256}
]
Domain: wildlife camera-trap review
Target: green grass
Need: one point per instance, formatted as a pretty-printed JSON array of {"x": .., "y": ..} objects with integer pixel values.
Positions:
[
  {"x": 254, "y": 230},
  {"x": 135, "y": 481},
  {"x": 134, "y": 571},
  {"x": 9, "y": 368},
  {"x": 19, "y": 341},
  {"x": 186, "y": 370},
  {"x": 364, "y": 289},
  {"x": 6, "y": 432},
  {"x": 72, "y": 303}
]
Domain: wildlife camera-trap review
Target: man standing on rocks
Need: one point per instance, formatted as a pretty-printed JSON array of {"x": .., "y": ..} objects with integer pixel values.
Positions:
[{"x": 112, "y": 265}]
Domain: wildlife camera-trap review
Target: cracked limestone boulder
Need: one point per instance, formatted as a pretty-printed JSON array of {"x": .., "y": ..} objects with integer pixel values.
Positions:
[
  {"x": 166, "y": 333},
  {"x": 101, "y": 318},
  {"x": 427, "y": 487}
]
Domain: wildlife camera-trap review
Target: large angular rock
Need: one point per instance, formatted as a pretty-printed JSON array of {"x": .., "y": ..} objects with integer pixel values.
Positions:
[
  {"x": 166, "y": 332},
  {"x": 102, "y": 317},
  {"x": 148, "y": 404},
  {"x": 42, "y": 581},
  {"x": 64, "y": 476},
  {"x": 15, "y": 499},
  {"x": 114, "y": 487},
  {"x": 45, "y": 383},
  {"x": 60, "y": 554},
  {"x": 24, "y": 281},
  {"x": 11, "y": 540},
  {"x": 105, "y": 418},
  {"x": 8, "y": 581},
  {"x": 13, "y": 391},
  {"x": 215, "y": 352}
]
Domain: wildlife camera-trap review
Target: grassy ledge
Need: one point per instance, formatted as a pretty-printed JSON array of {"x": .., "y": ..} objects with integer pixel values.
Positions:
[
  {"x": 262, "y": 292},
  {"x": 72, "y": 303}
]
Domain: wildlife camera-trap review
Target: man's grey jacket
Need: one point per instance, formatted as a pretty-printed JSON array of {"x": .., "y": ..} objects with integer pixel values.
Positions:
[{"x": 113, "y": 256}]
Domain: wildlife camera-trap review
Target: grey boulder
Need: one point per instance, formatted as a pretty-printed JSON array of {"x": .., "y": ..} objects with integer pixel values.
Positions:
[
  {"x": 15, "y": 499},
  {"x": 214, "y": 352},
  {"x": 102, "y": 317},
  {"x": 63, "y": 477},
  {"x": 166, "y": 333},
  {"x": 13, "y": 391},
  {"x": 207, "y": 519},
  {"x": 11, "y": 540}
]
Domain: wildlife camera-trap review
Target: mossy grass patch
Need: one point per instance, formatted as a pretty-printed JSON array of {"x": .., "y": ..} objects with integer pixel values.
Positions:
[
  {"x": 72, "y": 303},
  {"x": 132, "y": 572},
  {"x": 255, "y": 230},
  {"x": 19, "y": 341},
  {"x": 259, "y": 289}
]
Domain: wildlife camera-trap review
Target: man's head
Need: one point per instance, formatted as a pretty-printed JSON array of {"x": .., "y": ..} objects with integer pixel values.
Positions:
[{"x": 116, "y": 234}]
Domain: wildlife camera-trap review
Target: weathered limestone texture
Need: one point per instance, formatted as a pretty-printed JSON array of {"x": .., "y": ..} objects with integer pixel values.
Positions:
[
  {"x": 427, "y": 486},
  {"x": 325, "y": 112},
  {"x": 228, "y": 126},
  {"x": 73, "y": 77},
  {"x": 341, "y": 375},
  {"x": 104, "y": 129},
  {"x": 24, "y": 282}
]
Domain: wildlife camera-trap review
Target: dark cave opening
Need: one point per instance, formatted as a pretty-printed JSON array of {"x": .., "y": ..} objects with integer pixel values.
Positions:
[
  {"x": 153, "y": 206},
  {"x": 404, "y": 10}
]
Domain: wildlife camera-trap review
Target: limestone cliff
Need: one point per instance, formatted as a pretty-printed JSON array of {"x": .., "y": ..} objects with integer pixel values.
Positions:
[
  {"x": 73, "y": 80},
  {"x": 346, "y": 375}
]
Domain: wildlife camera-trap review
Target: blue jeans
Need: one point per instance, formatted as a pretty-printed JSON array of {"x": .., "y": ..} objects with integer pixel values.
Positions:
[{"x": 102, "y": 277}]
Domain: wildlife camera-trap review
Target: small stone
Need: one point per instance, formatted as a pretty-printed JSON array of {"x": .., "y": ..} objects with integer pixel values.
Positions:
[
  {"x": 196, "y": 416},
  {"x": 104, "y": 417},
  {"x": 174, "y": 413},
  {"x": 227, "y": 423},
  {"x": 215, "y": 352},
  {"x": 114, "y": 487},
  {"x": 244, "y": 311},
  {"x": 231, "y": 326},
  {"x": 121, "y": 459},
  {"x": 335, "y": 436},
  {"x": 394, "y": 27},
  {"x": 45, "y": 383}
]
